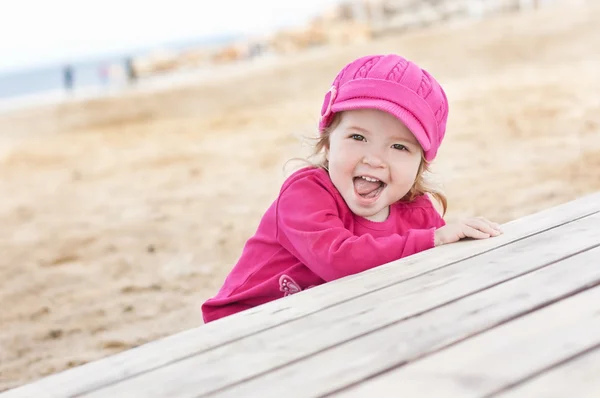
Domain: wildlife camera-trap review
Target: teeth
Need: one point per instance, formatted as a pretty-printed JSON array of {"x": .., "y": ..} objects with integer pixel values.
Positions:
[{"x": 369, "y": 179}]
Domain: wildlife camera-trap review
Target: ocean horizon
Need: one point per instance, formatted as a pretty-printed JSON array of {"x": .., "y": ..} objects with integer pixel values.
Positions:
[{"x": 86, "y": 72}]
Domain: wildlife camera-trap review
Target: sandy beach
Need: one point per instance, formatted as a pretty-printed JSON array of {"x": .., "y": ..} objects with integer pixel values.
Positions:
[{"x": 120, "y": 215}]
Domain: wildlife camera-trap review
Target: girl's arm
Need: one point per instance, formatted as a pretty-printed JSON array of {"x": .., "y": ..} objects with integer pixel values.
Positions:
[{"x": 309, "y": 227}]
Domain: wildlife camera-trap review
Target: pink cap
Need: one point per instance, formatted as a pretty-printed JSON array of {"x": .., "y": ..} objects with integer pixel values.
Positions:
[{"x": 395, "y": 85}]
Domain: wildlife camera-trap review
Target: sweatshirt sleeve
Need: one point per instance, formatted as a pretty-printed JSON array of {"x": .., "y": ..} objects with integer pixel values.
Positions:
[
  {"x": 434, "y": 218},
  {"x": 309, "y": 226}
]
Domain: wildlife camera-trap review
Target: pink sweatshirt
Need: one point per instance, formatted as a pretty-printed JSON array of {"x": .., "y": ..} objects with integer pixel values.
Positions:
[{"x": 309, "y": 236}]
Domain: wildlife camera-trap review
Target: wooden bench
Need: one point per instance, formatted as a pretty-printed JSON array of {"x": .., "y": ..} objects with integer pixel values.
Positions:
[{"x": 513, "y": 316}]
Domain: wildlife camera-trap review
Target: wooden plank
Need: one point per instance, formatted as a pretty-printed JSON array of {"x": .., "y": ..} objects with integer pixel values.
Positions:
[
  {"x": 413, "y": 338},
  {"x": 503, "y": 356},
  {"x": 183, "y": 345},
  {"x": 578, "y": 377},
  {"x": 292, "y": 341}
]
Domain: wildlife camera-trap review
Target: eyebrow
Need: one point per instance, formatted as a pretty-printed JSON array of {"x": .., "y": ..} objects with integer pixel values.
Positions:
[
  {"x": 411, "y": 140},
  {"x": 352, "y": 127}
]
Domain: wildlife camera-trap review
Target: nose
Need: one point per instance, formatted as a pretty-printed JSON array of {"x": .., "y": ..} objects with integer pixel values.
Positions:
[{"x": 374, "y": 160}]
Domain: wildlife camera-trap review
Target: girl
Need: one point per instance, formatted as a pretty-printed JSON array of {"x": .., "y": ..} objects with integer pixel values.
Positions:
[{"x": 365, "y": 204}]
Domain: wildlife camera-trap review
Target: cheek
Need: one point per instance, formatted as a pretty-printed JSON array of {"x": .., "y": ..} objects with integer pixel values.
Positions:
[
  {"x": 416, "y": 164},
  {"x": 336, "y": 153},
  {"x": 346, "y": 151},
  {"x": 343, "y": 161},
  {"x": 416, "y": 167},
  {"x": 408, "y": 169}
]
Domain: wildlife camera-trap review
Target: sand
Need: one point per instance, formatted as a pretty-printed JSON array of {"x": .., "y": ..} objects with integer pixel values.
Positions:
[{"x": 119, "y": 216}]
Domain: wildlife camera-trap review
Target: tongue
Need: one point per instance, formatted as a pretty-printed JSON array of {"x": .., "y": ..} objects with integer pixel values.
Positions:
[{"x": 364, "y": 187}]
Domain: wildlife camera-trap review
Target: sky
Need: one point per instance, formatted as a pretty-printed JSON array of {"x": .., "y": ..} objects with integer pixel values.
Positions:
[{"x": 44, "y": 32}]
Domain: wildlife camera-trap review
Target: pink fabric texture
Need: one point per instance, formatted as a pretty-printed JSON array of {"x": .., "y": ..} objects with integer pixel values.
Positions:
[
  {"x": 395, "y": 85},
  {"x": 309, "y": 236}
]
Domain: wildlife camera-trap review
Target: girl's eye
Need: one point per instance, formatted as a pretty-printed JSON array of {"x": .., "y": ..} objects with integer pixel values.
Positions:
[
  {"x": 357, "y": 137},
  {"x": 400, "y": 147}
]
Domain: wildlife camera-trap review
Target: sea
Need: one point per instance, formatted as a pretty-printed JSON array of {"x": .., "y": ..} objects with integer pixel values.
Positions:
[{"x": 86, "y": 73}]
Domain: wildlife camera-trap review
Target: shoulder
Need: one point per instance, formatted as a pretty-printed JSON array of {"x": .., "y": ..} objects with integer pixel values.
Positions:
[
  {"x": 310, "y": 190},
  {"x": 421, "y": 201},
  {"x": 422, "y": 208},
  {"x": 314, "y": 180}
]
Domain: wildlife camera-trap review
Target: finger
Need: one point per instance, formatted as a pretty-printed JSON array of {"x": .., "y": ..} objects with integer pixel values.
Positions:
[
  {"x": 483, "y": 226},
  {"x": 497, "y": 227},
  {"x": 494, "y": 225},
  {"x": 475, "y": 233}
]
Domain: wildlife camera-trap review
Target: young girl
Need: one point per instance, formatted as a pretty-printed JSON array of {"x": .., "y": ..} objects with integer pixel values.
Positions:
[{"x": 365, "y": 204}]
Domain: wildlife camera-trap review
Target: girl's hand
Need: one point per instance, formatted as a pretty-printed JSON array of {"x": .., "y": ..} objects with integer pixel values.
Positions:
[{"x": 474, "y": 227}]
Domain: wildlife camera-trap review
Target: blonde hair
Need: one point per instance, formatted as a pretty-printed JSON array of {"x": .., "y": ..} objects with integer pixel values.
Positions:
[{"x": 421, "y": 186}]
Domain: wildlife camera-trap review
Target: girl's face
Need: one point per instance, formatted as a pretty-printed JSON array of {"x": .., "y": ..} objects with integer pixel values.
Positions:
[{"x": 373, "y": 161}]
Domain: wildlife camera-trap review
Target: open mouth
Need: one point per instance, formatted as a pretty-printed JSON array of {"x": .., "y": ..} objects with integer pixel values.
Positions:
[{"x": 368, "y": 187}]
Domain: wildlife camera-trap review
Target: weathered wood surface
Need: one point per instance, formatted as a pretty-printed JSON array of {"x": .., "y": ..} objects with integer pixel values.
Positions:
[
  {"x": 363, "y": 333},
  {"x": 495, "y": 361},
  {"x": 575, "y": 377},
  {"x": 425, "y": 334}
]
